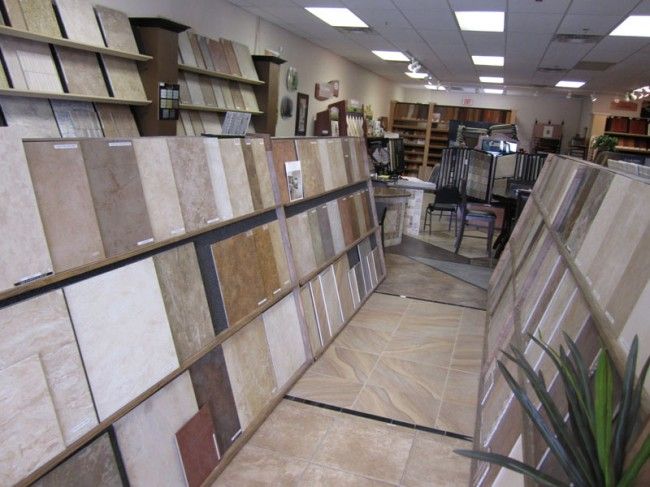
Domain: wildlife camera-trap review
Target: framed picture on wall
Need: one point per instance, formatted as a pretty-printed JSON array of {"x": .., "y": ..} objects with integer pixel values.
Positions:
[{"x": 302, "y": 108}]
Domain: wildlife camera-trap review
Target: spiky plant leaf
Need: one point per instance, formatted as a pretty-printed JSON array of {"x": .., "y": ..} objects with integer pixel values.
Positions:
[{"x": 604, "y": 386}]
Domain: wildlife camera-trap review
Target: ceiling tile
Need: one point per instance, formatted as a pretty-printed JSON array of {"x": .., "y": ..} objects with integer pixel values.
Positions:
[
  {"x": 536, "y": 24},
  {"x": 434, "y": 5},
  {"x": 431, "y": 19},
  {"x": 437, "y": 38},
  {"x": 474, "y": 6},
  {"x": 485, "y": 43},
  {"x": 545, "y": 7},
  {"x": 616, "y": 49},
  {"x": 564, "y": 55},
  {"x": 602, "y": 7},
  {"x": 589, "y": 24}
]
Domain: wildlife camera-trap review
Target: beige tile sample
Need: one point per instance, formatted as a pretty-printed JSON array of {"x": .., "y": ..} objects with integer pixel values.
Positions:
[
  {"x": 211, "y": 123},
  {"x": 41, "y": 326},
  {"x": 33, "y": 117},
  {"x": 185, "y": 49},
  {"x": 326, "y": 165},
  {"x": 285, "y": 339},
  {"x": 245, "y": 61},
  {"x": 262, "y": 170},
  {"x": 124, "y": 78},
  {"x": 336, "y": 226},
  {"x": 235, "y": 168},
  {"x": 159, "y": 187},
  {"x": 250, "y": 370},
  {"x": 81, "y": 72},
  {"x": 116, "y": 29},
  {"x": 76, "y": 118},
  {"x": 15, "y": 14},
  {"x": 185, "y": 301},
  {"x": 341, "y": 270},
  {"x": 205, "y": 85},
  {"x": 310, "y": 319},
  {"x": 279, "y": 254},
  {"x": 117, "y": 120},
  {"x": 39, "y": 17},
  {"x": 122, "y": 311},
  {"x": 321, "y": 310},
  {"x": 312, "y": 175},
  {"x": 300, "y": 238},
  {"x": 29, "y": 429},
  {"x": 147, "y": 435},
  {"x": 248, "y": 95},
  {"x": 331, "y": 295},
  {"x": 30, "y": 65},
  {"x": 337, "y": 162},
  {"x": 65, "y": 203},
  {"x": 23, "y": 246},
  {"x": 194, "y": 88},
  {"x": 189, "y": 162},
  {"x": 79, "y": 21},
  {"x": 218, "y": 177}
]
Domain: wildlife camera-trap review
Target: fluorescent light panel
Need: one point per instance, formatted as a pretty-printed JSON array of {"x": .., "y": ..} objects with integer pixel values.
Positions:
[
  {"x": 633, "y": 26},
  {"x": 435, "y": 87},
  {"x": 488, "y": 60},
  {"x": 416, "y": 75},
  {"x": 570, "y": 84},
  {"x": 490, "y": 79},
  {"x": 481, "y": 21},
  {"x": 337, "y": 17},
  {"x": 391, "y": 55},
  {"x": 493, "y": 91}
]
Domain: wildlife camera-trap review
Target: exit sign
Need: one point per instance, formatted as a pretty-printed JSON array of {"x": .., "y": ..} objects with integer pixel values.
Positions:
[{"x": 468, "y": 102}]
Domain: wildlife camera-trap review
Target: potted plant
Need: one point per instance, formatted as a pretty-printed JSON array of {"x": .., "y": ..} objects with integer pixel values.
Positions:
[
  {"x": 593, "y": 445},
  {"x": 605, "y": 143}
]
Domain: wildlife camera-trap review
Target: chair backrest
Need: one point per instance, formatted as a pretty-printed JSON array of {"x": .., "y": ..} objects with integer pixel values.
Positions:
[
  {"x": 528, "y": 166},
  {"x": 453, "y": 166},
  {"x": 474, "y": 166}
]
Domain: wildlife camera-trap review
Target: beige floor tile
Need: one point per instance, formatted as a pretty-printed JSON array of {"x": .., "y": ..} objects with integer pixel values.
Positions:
[
  {"x": 412, "y": 407},
  {"x": 461, "y": 387},
  {"x": 386, "y": 302},
  {"x": 472, "y": 322},
  {"x": 421, "y": 326},
  {"x": 363, "y": 339},
  {"x": 366, "y": 447},
  {"x": 458, "y": 409},
  {"x": 409, "y": 377},
  {"x": 426, "y": 349},
  {"x": 433, "y": 462},
  {"x": 293, "y": 429},
  {"x": 317, "y": 476},
  {"x": 378, "y": 320},
  {"x": 437, "y": 311},
  {"x": 329, "y": 390},
  {"x": 345, "y": 363},
  {"x": 255, "y": 466},
  {"x": 468, "y": 353}
]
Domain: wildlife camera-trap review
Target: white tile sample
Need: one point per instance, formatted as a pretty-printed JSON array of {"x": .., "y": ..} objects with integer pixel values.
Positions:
[
  {"x": 218, "y": 176},
  {"x": 79, "y": 21},
  {"x": 30, "y": 65},
  {"x": 32, "y": 116}
]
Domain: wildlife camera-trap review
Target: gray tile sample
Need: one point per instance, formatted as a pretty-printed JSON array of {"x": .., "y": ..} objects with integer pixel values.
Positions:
[
  {"x": 30, "y": 65},
  {"x": 76, "y": 118},
  {"x": 116, "y": 29},
  {"x": 32, "y": 116},
  {"x": 79, "y": 21}
]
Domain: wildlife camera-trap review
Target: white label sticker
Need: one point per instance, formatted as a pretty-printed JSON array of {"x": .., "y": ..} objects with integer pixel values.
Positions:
[
  {"x": 144, "y": 242},
  {"x": 277, "y": 291},
  {"x": 120, "y": 144},
  {"x": 236, "y": 435},
  {"x": 213, "y": 220},
  {"x": 176, "y": 231},
  {"x": 65, "y": 146},
  {"x": 262, "y": 302}
]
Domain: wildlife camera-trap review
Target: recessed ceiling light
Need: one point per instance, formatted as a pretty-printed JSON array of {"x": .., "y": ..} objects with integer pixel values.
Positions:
[
  {"x": 490, "y": 79},
  {"x": 337, "y": 17},
  {"x": 481, "y": 21},
  {"x": 391, "y": 55},
  {"x": 633, "y": 26},
  {"x": 493, "y": 91},
  {"x": 416, "y": 75},
  {"x": 488, "y": 60},
  {"x": 570, "y": 84}
]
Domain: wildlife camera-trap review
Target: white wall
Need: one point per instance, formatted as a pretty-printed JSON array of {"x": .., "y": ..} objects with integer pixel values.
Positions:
[
  {"x": 529, "y": 108},
  {"x": 218, "y": 18}
]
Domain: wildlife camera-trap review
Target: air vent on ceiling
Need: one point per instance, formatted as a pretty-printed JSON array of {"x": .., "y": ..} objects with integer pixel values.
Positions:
[
  {"x": 592, "y": 66},
  {"x": 355, "y": 30},
  {"x": 456, "y": 88},
  {"x": 551, "y": 70},
  {"x": 577, "y": 38}
]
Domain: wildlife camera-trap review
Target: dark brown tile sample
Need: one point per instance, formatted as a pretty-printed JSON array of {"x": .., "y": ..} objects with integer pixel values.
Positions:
[
  {"x": 360, "y": 214},
  {"x": 218, "y": 56},
  {"x": 231, "y": 57},
  {"x": 284, "y": 150},
  {"x": 65, "y": 203},
  {"x": 317, "y": 243},
  {"x": 367, "y": 209},
  {"x": 81, "y": 72},
  {"x": 312, "y": 175},
  {"x": 212, "y": 388},
  {"x": 237, "y": 97},
  {"x": 325, "y": 232},
  {"x": 198, "y": 448},
  {"x": 241, "y": 285},
  {"x": 189, "y": 162},
  {"x": 117, "y": 195},
  {"x": 266, "y": 261},
  {"x": 251, "y": 171},
  {"x": 117, "y": 120},
  {"x": 116, "y": 29},
  {"x": 346, "y": 220}
]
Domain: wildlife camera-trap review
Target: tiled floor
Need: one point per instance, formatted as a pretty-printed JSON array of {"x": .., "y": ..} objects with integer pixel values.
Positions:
[{"x": 473, "y": 245}]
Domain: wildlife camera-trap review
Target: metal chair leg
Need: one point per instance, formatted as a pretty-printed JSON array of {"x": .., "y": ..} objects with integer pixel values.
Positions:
[{"x": 459, "y": 237}]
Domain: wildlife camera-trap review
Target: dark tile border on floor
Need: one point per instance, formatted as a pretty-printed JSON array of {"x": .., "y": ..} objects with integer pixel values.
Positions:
[
  {"x": 430, "y": 300},
  {"x": 413, "y": 246},
  {"x": 381, "y": 419},
  {"x": 415, "y": 259}
]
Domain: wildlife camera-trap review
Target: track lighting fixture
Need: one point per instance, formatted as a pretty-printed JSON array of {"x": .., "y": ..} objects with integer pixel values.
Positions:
[{"x": 593, "y": 97}]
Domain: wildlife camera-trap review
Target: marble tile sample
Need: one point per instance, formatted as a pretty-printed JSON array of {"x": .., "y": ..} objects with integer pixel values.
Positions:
[
  {"x": 248, "y": 94},
  {"x": 117, "y": 194},
  {"x": 124, "y": 78},
  {"x": 94, "y": 464},
  {"x": 244, "y": 60},
  {"x": 116, "y": 29},
  {"x": 185, "y": 301},
  {"x": 325, "y": 232},
  {"x": 205, "y": 85},
  {"x": 15, "y": 14},
  {"x": 212, "y": 388},
  {"x": 251, "y": 171},
  {"x": 300, "y": 238},
  {"x": 122, "y": 311},
  {"x": 30, "y": 65},
  {"x": 117, "y": 120},
  {"x": 41, "y": 327},
  {"x": 66, "y": 206},
  {"x": 265, "y": 263},
  {"x": 232, "y": 156},
  {"x": 237, "y": 97},
  {"x": 79, "y": 21},
  {"x": 76, "y": 118},
  {"x": 325, "y": 165},
  {"x": 189, "y": 162},
  {"x": 321, "y": 310},
  {"x": 332, "y": 303},
  {"x": 159, "y": 187},
  {"x": 262, "y": 169},
  {"x": 250, "y": 370},
  {"x": 284, "y": 150},
  {"x": 180, "y": 128},
  {"x": 23, "y": 246},
  {"x": 147, "y": 435},
  {"x": 198, "y": 448},
  {"x": 81, "y": 71},
  {"x": 185, "y": 49},
  {"x": 33, "y": 117},
  {"x": 279, "y": 254},
  {"x": 29, "y": 429},
  {"x": 205, "y": 52},
  {"x": 316, "y": 241},
  {"x": 39, "y": 17},
  {"x": 337, "y": 162},
  {"x": 218, "y": 56},
  {"x": 211, "y": 123},
  {"x": 341, "y": 271},
  {"x": 312, "y": 175},
  {"x": 241, "y": 284},
  {"x": 336, "y": 227},
  {"x": 284, "y": 336},
  {"x": 218, "y": 177},
  {"x": 194, "y": 44},
  {"x": 231, "y": 57},
  {"x": 310, "y": 319}
]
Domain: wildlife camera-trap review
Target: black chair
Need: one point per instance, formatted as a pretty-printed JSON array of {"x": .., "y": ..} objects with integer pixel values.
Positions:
[
  {"x": 381, "y": 208},
  {"x": 528, "y": 166},
  {"x": 483, "y": 217},
  {"x": 446, "y": 200}
]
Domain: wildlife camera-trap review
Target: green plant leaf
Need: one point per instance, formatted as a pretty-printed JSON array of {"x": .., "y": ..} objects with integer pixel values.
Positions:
[
  {"x": 515, "y": 465},
  {"x": 625, "y": 418},
  {"x": 636, "y": 464},
  {"x": 604, "y": 385},
  {"x": 582, "y": 372}
]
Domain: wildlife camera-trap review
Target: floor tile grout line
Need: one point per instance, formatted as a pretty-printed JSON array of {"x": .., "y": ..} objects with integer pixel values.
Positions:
[{"x": 403, "y": 296}]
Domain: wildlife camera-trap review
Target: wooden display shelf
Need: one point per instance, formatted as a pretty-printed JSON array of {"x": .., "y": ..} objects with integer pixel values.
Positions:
[
  {"x": 409, "y": 127},
  {"x": 72, "y": 97},
  {"x": 216, "y": 74},
  {"x": 421, "y": 120},
  {"x": 203, "y": 108},
  {"x": 635, "y": 150},
  {"x": 60, "y": 41},
  {"x": 625, "y": 134}
]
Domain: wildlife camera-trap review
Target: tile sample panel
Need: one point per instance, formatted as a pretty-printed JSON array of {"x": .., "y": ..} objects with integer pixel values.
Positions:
[
  {"x": 251, "y": 171},
  {"x": 117, "y": 120},
  {"x": 250, "y": 369},
  {"x": 234, "y": 165},
  {"x": 38, "y": 17},
  {"x": 76, "y": 119},
  {"x": 325, "y": 232},
  {"x": 185, "y": 49},
  {"x": 332, "y": 303},
  {"x": 159, "y": 187},
  {"x": 23, "y": 246},
  {"x": 303, "y": 250},
  {"x": 336, "y": 227},
  {"x": 116, "y": 29},
  {"x": 33, "y": 117},
  {"x": 218, "y": 177},
  {"x": 266, "y": 265},
  {"x": 81, "y": 72},
  {"x": 279, "y": 254},
  {"x": 231, "y": 57},
  {"x": 285, "y": 339},
  {"x": 310, "y": 319},
  {"x": 218, "y": 56},
  {"x": 326, "y": 165},
  {"x": 341, "y": 270},
  {"x": 29, "y": 429},
  {"x": 321, "y": 310},
  {"x": 147, "y": 435},
  {"x": 312, "y": 175},
  {"x": 15, "y": 14},
  {"x": 284, "y": 150},
  {"x": 30, "y": 65},
  {"x": 66, "y": 205},
  {"x": 237, "y": 97},
  {"x": 262, "y": 171},
  {"x": 79, "y": 21},
  {"x": 197, "y": 445},
  {"x": 316, "y": 239},
  {"x": 124, "y": 78},
  {"x": 250, "y": 101},
  {"x": 185, "y": 301},
  {"x": 123, "y": 312},
  {"x": 117, "y": 194},
  {"x": 244, "y": 60}
]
